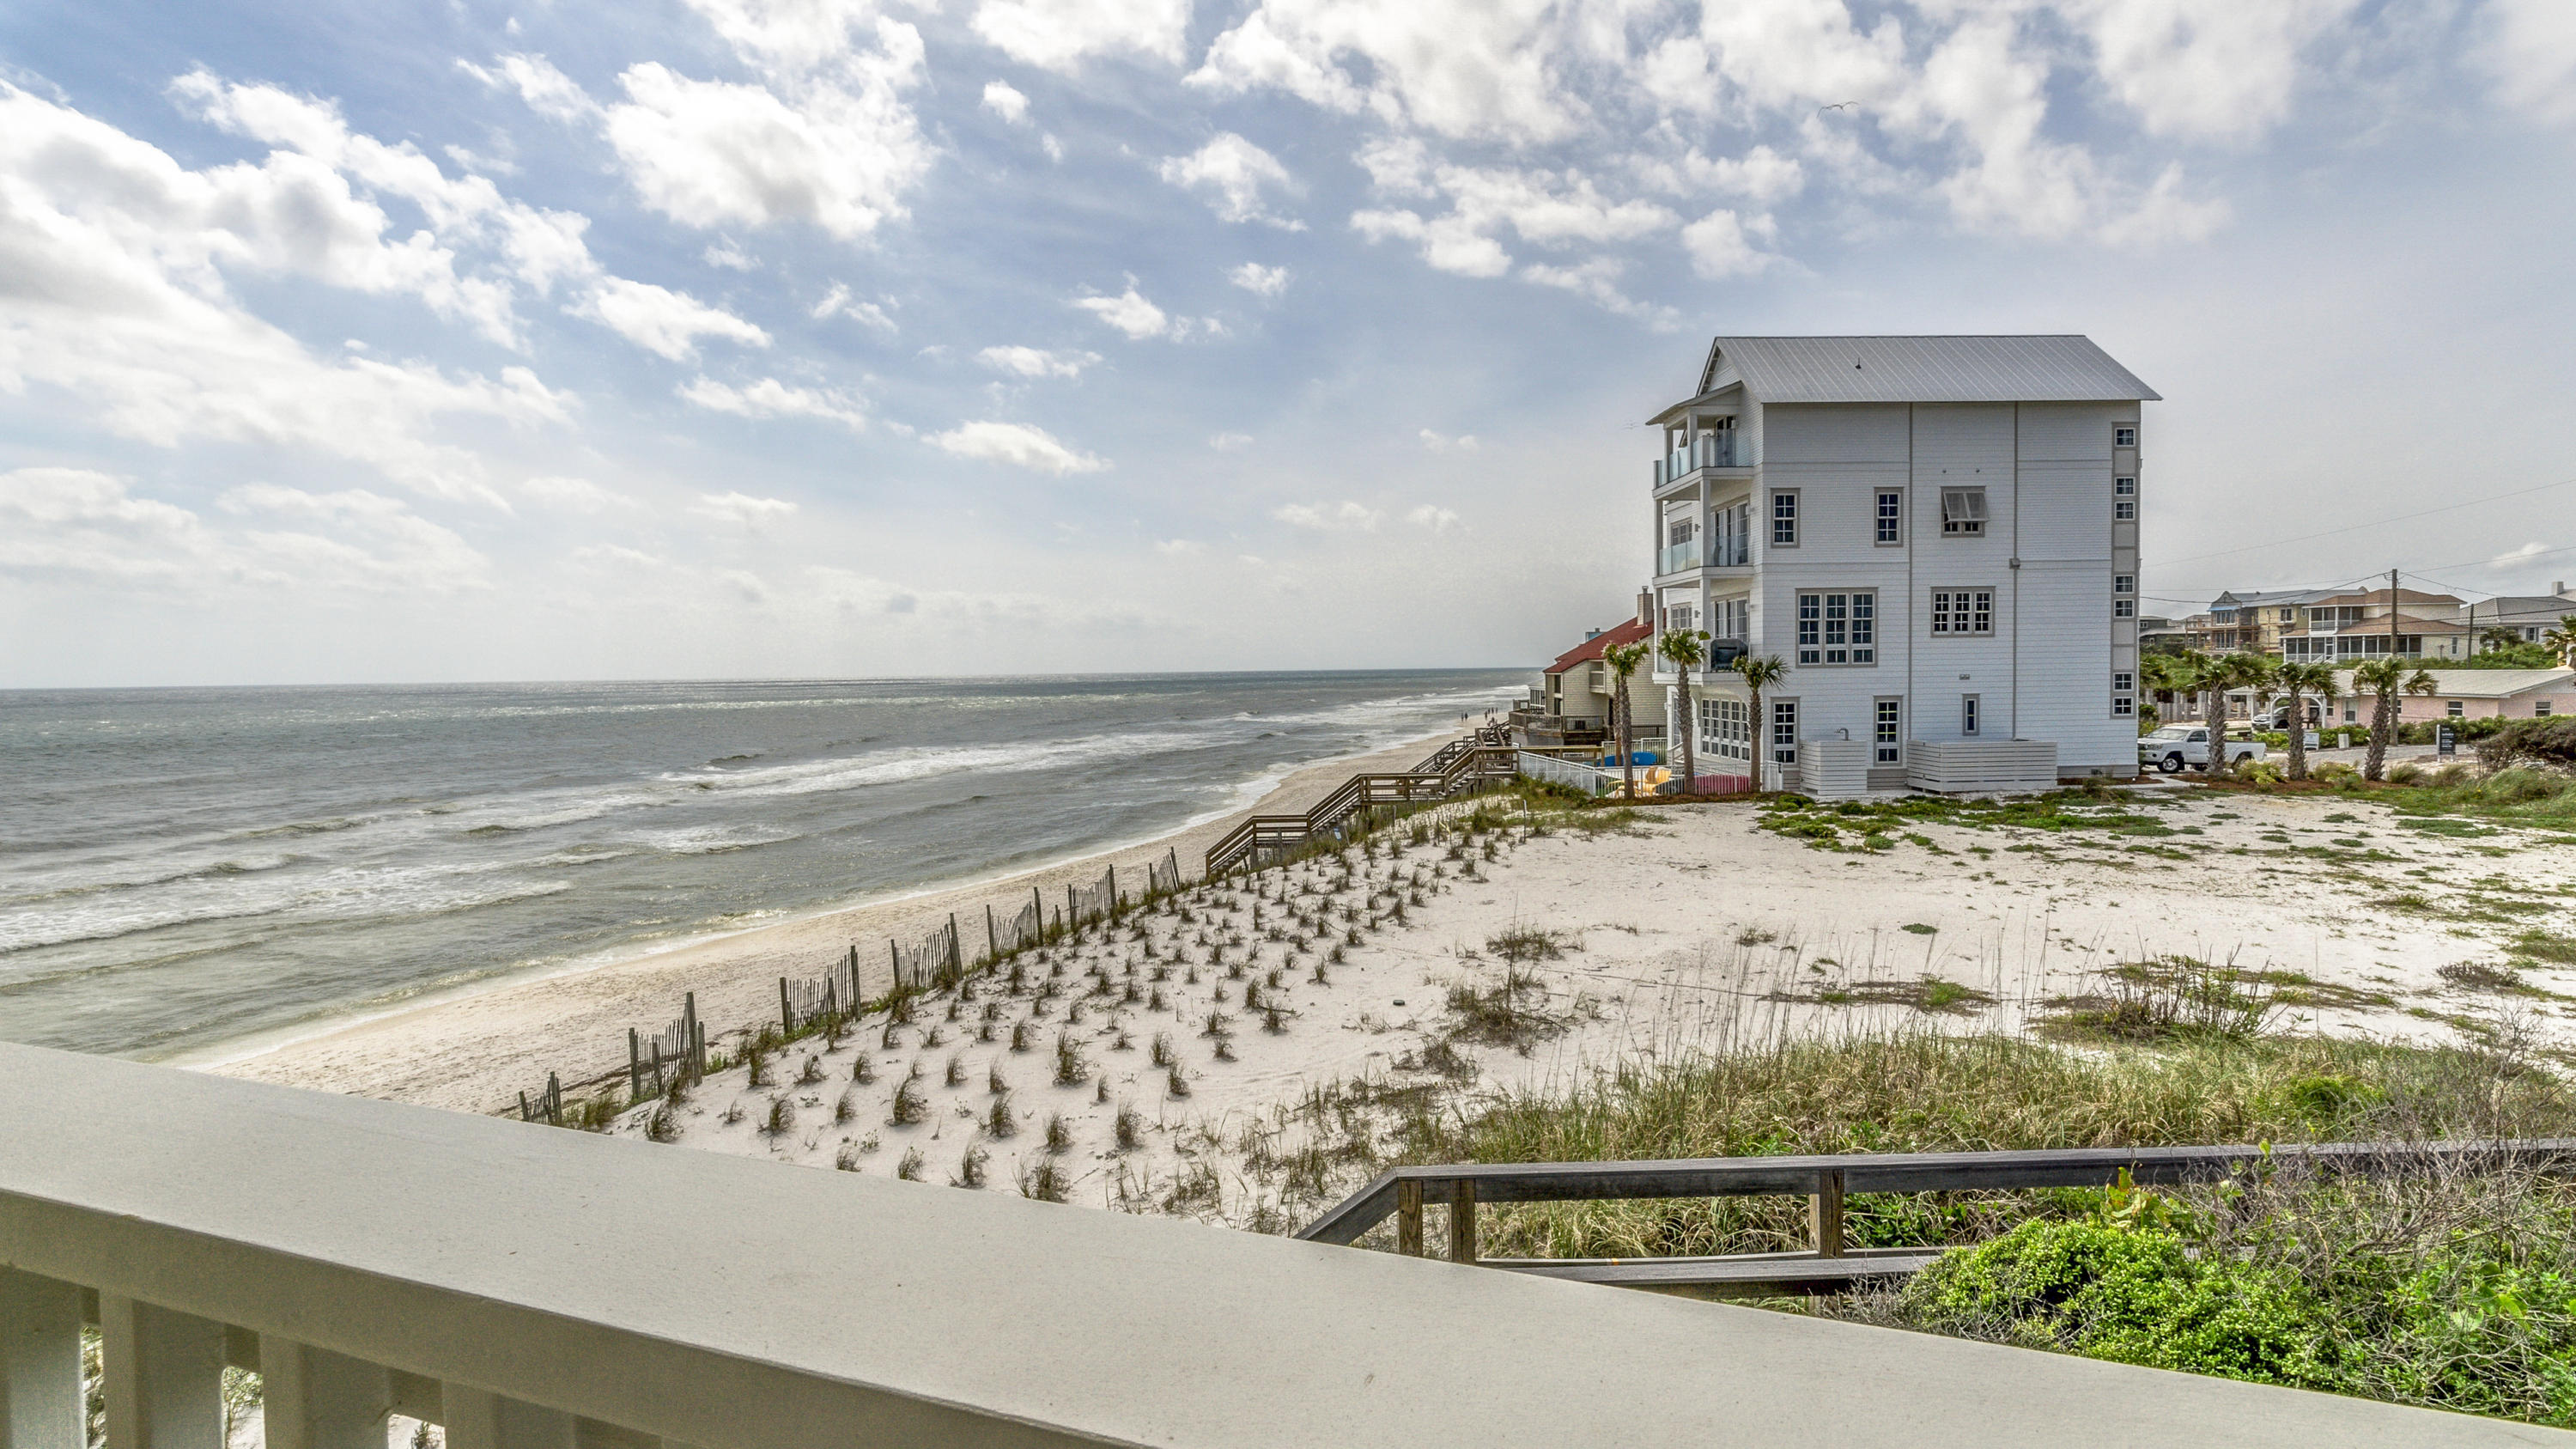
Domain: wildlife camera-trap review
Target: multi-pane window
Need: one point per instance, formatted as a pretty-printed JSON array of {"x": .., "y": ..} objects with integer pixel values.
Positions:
[
  {"x": 2124, "y": 437},
  {"x": 1963, "y": 512},
  {"x": 1682, "y": 531},
  {"x": 1784, "y": 731},
  {"x": 2124, "y": 608},
  {"x": 2124, "y": 602},
  {"x": 1890, "y": 516},
  {"x": 1725, "y": 730},
  {"x": 2124, "y": 487},
  {"x": 2454, "y": 708},
  {"x": 1727, "y": 618},
  {"x": 2124, "y": 510},
  {"x": 2124, "y": 694},
  {"x": 1888, "y": 720},
  {"x": 1968, "y": 715},
  {"x": 1963, "y": 611},
  {"x": 1838, "y": 627},
  {"x": 1784, "y": 519}
]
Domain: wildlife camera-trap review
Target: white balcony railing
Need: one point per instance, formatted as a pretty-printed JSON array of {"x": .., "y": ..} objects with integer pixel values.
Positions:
[
  {"x": 1729, "y": 449},
  {"x": 530, "y": 1287}
]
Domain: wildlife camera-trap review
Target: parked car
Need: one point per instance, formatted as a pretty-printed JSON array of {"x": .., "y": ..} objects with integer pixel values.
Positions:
[{"x": 2174, "y": 746}]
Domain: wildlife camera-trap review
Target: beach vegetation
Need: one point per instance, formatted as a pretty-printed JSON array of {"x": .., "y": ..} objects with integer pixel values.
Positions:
[
  {"x": 1043, "y": 1181},
  {"x": 911, "y": 1104},
  {"x": 845, "y": 1110},
  {"x": 862, "y": 1069},
  {"x": 909, "y": 1169},
  {"x": 781, "y": 1118},
  {"x": 1071, "y": 1069},
  {"x": 970, "y": 1168},
  {"x": 661, "y": 1125},
  {"x": 812, "y": 1073},
  {"x": 1176, "y": 1081},
  {"x": 1129, "y": 1128},
  {"x": 1059, "y": 1137}
]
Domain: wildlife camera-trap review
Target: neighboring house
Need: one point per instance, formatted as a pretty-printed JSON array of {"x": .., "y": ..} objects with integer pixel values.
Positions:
[
  {"x": 2457, "y": 694},
  {"x": 2529, "y": 617},
  {"x": 1938, "y": 535},
  {"x": 2255, "y": 621},
  {"x": 1576, "y": 691},
  {"x": 2358, "y": 625}
]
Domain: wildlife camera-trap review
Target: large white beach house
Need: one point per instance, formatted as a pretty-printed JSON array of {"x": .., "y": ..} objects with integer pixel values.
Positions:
[{"x": 1937, "y": 535}]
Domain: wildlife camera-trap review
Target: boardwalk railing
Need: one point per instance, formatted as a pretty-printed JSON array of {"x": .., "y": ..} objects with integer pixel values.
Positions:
[
  {"x": 371, "y": 1260},
  {"x": 1468, "y": 763},
  {"x": 1830, "y": 1265}
]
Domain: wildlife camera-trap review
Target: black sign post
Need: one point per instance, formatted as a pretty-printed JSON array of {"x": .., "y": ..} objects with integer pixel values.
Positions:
[{"x": 2446, "y": 740}]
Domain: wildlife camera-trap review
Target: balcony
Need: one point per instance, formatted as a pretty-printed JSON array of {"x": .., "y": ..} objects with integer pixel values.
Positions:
[
  {"x": 529, "y": 1287},
  {"x": 1678, "y": 557},
  {"x": 1709, "y": 450}
]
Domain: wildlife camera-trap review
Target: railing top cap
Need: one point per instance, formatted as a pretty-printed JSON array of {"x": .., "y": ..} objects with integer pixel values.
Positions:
[{"x": 437, "y": 1242}]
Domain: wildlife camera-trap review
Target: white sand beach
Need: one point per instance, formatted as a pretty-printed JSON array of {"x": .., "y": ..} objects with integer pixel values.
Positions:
[{"x": 1696, "y": 928}]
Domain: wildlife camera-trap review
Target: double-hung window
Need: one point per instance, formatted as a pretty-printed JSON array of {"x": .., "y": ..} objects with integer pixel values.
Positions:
[
  {"x": 1968, "y": 715},
  {"x": 1838, "y": 627},
  {"x": 1888, "y": 720},
  {"x": 1963, "y": 512},
  {"x": 1963, "y": 611},
  {"x": 2124, "y": 499},
  {"x": 1890, "y": 517},
  {"x": 2124, "y": 694},
  {"x": 2124, "y": 437},
  {"x": 2124, "y": 596},
  {"x": 1784, "y": 518},
  {"x": 1784, "y": 731}
]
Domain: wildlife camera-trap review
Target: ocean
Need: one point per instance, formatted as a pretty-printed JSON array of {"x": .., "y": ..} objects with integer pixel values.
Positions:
[{"x": 186, "y": 868}]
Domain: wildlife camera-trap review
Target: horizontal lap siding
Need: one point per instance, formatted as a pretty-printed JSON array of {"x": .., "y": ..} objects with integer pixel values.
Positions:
[{"x": 2065, "y": 665}]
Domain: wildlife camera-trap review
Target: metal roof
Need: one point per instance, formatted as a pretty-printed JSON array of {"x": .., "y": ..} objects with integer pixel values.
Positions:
[
  {"x": 2483, "y": 683},
  {"x": 1925, "y": 369}
]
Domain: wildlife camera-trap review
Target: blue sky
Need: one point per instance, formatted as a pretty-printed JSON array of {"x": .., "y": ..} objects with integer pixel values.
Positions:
[{"x": 742, "y": 337}]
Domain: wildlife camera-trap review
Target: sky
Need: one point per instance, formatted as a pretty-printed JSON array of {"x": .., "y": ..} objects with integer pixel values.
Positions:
[{"x": 544, "y": 339}]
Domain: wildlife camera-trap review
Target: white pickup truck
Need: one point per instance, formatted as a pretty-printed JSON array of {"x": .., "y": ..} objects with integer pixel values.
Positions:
[{"x": 2174, "y": 746}]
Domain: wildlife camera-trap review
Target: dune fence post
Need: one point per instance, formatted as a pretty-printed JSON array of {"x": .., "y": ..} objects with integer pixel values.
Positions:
[
  {"x": 1825, "y": 1213},
  {"x": 992, "y": 938},
  {"x": 1462, "y": 1221},
  {"x": 634, "y": 1065},
  {"x": 786, "y": 1013},
  {"x": 1408, "y": 1217},
  {"x": 1113, "y": 892},
  {"x": 894, "y": 953},
  {"x": 694, "y": 1041},
  {"x": 956, "y": 952}
]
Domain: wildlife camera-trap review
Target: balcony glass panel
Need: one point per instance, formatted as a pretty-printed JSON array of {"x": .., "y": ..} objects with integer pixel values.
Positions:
[{"x": 1678, "y": 557}]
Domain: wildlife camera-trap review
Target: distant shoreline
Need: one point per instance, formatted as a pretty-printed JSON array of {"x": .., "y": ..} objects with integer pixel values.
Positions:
[{"x": 472, "y": 1048}]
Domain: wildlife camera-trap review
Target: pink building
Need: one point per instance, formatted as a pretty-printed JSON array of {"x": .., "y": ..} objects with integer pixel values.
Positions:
[{"x": 2486, "y": 693}]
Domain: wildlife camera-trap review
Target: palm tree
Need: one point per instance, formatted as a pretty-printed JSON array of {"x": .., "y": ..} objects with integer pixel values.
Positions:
[
  {"x": 2561, "y": 641},
  {"x": 2298, "y": 681},
  {"x": 2497, "y": 638},
  {"x": 2241, "y": 670},
  {"x": 1684, "y": 649},
  {"x": 1760, "y": 674},
  {"x": 1623, "y": 660},
  {"x": 2387, "y": 677}
]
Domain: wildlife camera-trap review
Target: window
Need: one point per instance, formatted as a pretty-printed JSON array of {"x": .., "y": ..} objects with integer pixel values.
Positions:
[
  {"x": 1838, "y": 628},
  {"x": 1889, "y": 717},
  {"x": 1726, "y": 618},
  {"x": 1784, "y": 519},
  {"x": 2351, "y": 712},
  {"x": 2124, "y": 583},
  {"x": 2124, "y": 694},
  {"x": 2124, "y": 487},
  {"x": 2124, "y": 437},
  {"x": 1963, "y": 512},
  {"x": 1784, "y": 731},
  {"x": 2455, "y": 709},
  {"x": 1725, "y": 731},
  {"x": 1891, "y": 516},
  {"x": 1963, "y": 611},
  {"x": 2540, "y": 709},
  {"x": 1682, "y": 531},
  {"x": 2124, "y": 608},
  {"x": 2124, "y": 510},
  {"x": 1968, "y": 715}
]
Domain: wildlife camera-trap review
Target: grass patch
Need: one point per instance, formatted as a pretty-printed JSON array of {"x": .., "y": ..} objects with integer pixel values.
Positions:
[
  {"x": 1926, "y": 994},
  {"x": 2166, "y": 998}
]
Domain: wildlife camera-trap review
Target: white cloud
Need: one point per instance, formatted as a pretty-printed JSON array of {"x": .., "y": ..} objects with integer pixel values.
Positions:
[
  {"x": 115, "y": 295},
  {"x": 1719, "y": 248},
  {"x": 1058, "y": 34},
  {"x": 1017, "y": 444},
  {"x": 723, "y": 252},
  {"x": 1233, "y": 174},
  {"x": 1259, "y": 280},
  {"x": 660, "y": 320},
  {"x": 1129, "y": 312},
  {"x": 1340, "y": 517},
  {"x": 1035, "y": 362},
  {"x": 1230, "y": 442},
  {"x": 547, "y": 91},
  {"x": 770, "y": 398},
  {"x": 1597, "y": 281},
  {"x": 792, "y": 37},
  {"x": 1456, "y": 68},
  {"x": 1553, "y": 209},
  {"x": 573, "y": 495},
  {"x": 1442, "y": 443},
  {"x": 1004, "y": 101},
  {"x": 2209, "y": 69},
  {"x": 77, "y": 526},
  {"x": 2530, "y": 47},
  {"x": 741, "y": 508},
  {"x": 1433, "y": 517},
  {"x": 1180, "y": 547},
  {"x": 839, "y": 302}
]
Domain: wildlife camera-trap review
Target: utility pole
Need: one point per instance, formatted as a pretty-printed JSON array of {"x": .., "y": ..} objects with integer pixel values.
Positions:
[{"x": 2392, "y": 613}]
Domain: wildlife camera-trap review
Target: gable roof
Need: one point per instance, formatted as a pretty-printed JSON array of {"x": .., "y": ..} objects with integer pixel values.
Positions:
[
  {"x": 2066, "y": 368},
  {"x": 1590, "y": 649}
]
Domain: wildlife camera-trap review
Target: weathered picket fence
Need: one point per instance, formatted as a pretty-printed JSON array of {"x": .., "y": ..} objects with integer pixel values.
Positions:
[
  {"x": 549, "y": 1103},
  {"x": 677, "y": 1052},
  {"x": 934, "y": 960}
]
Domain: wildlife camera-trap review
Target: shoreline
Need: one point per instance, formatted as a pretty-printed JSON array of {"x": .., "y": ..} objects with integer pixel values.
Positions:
[{"x": 470, "y": 1048}]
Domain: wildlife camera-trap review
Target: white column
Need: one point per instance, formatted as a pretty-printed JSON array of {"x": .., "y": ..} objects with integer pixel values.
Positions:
[
  {"x": 477, "y": 1420},
  {"x": 165, "y": 1376},
  {"x": 313, "y": 1399},
  {"x": 40, "y": 1367}
]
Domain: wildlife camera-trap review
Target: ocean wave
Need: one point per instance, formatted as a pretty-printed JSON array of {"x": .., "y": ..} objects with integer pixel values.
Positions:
[
  {"x": 339, "y": 894},
  {"x": 716, "y": 839}
]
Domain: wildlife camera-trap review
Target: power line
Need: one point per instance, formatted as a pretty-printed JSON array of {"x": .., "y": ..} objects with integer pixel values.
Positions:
[{"x": 2374, "y": 523}]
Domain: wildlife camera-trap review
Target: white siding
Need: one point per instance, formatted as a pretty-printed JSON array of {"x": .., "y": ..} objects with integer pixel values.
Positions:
[{"x": 1871, "y": 433}]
